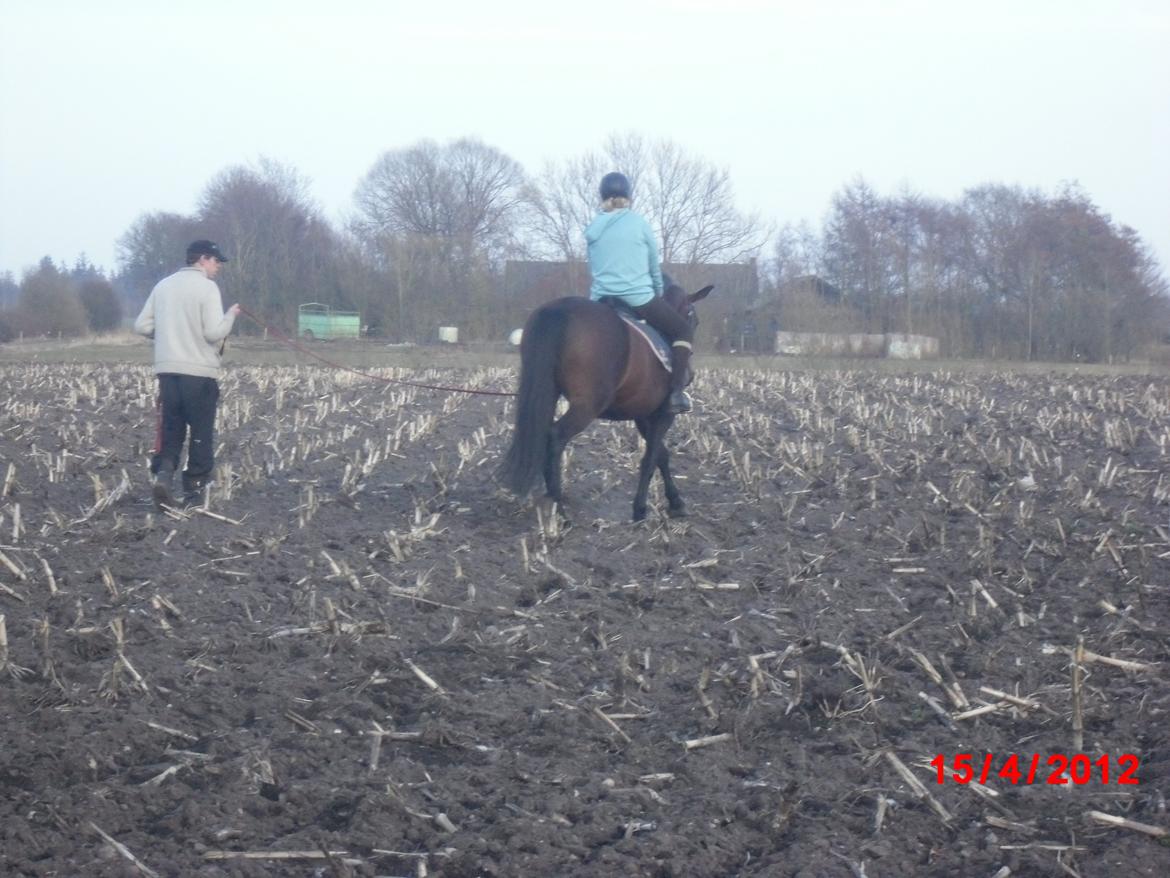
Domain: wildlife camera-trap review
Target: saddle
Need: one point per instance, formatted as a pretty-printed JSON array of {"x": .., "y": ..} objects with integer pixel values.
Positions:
[{"x": 657, "y": 341}]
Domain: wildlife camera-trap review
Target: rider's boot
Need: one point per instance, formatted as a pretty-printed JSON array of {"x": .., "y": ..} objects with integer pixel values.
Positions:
[{"x": 680, "y": 363}]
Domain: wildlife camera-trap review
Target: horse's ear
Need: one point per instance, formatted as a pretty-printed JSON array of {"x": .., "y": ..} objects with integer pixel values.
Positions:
[{"x": 701, "y": 294}]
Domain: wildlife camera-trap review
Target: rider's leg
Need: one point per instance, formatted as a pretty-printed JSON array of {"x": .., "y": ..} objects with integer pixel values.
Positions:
[{"x": 678, "y": 330}]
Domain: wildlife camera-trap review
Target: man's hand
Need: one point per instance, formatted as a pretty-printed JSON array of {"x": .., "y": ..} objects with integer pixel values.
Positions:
[{"x": 234, "y": 310}]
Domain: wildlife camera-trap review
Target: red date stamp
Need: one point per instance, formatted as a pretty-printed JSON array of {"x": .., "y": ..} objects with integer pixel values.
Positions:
[{"x": 1056, "y": 769}]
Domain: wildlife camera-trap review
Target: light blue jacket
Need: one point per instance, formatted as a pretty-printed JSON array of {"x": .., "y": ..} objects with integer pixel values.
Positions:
[{"x": 623, "y": 257}]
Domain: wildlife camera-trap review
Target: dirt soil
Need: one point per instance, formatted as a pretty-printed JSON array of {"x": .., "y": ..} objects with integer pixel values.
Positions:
[{"x": 366, "y": 657}]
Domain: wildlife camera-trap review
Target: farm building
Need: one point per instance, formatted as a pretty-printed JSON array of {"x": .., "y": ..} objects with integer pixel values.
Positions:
[
  {"x": 736, "y": 317},
  {"x": 808, "y": 316},
  {"x": 805, "y": 304}
]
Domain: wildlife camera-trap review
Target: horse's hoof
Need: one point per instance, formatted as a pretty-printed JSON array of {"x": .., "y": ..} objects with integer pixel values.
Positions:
[
  {"x": 639, "y": 515},
  {"x": 677, "y": 512},
  {"x": 548, "y": 505}
]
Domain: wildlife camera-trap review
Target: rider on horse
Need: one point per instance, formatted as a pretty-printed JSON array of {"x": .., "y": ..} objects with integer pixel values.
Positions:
[{"x": 623, "y": 259}]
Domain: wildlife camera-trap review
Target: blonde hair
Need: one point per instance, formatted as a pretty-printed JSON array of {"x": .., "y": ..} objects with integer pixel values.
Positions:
[{"x": 612, "y": 204}]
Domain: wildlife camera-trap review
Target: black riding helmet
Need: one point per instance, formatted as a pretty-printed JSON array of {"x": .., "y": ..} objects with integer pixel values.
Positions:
[{"x": 615, "y": 185}]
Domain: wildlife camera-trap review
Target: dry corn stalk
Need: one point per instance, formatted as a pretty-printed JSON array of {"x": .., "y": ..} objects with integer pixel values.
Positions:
[
  {"x": 5, "y": 664},
  {"x": 1078, "y": 712},
  {"x": 1111, "y": 820},
  {"x": 427, "y": 680},
  {"x": 124, "y": 852},
  {"x": 696, "y": 743},
  {"x": 111, "y": 683},
  {"x": 916, "y": 786}
]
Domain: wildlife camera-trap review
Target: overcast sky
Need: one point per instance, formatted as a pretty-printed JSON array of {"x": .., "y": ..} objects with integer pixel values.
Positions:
[{"x": 110, "y": 110}]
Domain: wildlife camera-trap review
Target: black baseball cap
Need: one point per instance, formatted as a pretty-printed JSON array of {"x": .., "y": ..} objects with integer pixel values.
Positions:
[{"x": 205, "y": 248}]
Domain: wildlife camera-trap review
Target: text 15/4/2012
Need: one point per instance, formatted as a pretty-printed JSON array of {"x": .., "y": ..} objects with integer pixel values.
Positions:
[{"x": 1055, "y": 769}]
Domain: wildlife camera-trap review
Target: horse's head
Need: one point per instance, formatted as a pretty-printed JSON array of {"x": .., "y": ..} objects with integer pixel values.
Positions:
[{"x": 684, "y": 302}]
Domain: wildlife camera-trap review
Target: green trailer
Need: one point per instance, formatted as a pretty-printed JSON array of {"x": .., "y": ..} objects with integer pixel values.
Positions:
[{"x": 318, "y": 321}]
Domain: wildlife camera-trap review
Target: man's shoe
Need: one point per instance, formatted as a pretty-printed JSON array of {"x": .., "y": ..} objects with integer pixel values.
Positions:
[
  {"x": 162, "y": 489},
  {"x": 195, "y": 494},
  {"x": 680, "y": 403}
]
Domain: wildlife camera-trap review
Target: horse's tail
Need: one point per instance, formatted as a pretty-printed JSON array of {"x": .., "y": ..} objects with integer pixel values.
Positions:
[{"x": 536, "y": 400}]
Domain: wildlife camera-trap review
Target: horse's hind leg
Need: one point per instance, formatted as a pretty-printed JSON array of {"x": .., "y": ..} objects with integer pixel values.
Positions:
[
  {"x": 552, "y": 466},
  {"x": 569, "y": 425}
]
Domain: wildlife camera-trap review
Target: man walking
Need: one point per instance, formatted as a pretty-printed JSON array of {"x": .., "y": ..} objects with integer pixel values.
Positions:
[{"x": 185, "y": 317}]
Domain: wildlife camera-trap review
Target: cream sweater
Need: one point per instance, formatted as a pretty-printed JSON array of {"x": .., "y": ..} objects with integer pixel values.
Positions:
[{"x": 185, "y": 317}]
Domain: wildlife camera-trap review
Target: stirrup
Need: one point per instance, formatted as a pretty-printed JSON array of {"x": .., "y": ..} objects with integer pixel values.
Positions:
[{"x": 679, "y": 403}]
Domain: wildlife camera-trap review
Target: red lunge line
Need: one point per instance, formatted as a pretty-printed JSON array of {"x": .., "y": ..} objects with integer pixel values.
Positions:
[{"x": 304, "y": 350}]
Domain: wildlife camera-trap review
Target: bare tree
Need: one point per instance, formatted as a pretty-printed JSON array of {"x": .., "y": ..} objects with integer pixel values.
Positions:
[
  {"x": 9, "y": 289},
  {"x": 448, "y": 213},
  {"x": 466, "y": 192},
  {"x": 412, "y": 267},
  {"x": 282, "y": 249},
  {"x": 857, "y": 256},
  {"x": 1105, "y": 288},
  {"x": 795, "y": 254},
  {"x": 152, "y": 248},
  {"x": 562, "y": 200},
  {"x": 1004, "y": 272},
  {"x": 692, "y": 202},
  {"x": 487, "y": 188},
  {"x": 937, "y": 282},
  {"x": 796, "y": 293},
  {"x": 49, "y": 304},
  {"x": 103, "y": 307},
  {"x": 689, "y": 201}
]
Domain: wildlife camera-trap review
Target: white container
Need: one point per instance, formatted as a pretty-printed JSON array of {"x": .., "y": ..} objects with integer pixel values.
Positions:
[
  {"x": 515, "y": 338},
  {"x": 449, "y": 334}
]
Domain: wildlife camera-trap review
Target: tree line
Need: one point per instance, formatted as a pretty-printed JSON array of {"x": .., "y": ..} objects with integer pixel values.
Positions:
[
  {"x": 1001, "y": 272},
  {"x": 58, "y": 301}
]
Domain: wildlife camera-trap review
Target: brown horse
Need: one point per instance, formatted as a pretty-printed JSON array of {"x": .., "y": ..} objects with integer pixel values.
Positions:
[{"x": 584, "y": 351}]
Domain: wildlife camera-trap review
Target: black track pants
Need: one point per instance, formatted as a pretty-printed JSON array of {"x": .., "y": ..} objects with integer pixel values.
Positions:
[{"x": 186, "y": 402}]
